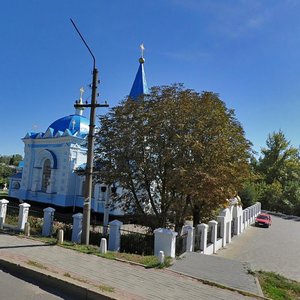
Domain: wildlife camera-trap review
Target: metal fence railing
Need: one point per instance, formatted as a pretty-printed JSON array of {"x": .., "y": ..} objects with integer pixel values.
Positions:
[
  {"x": 137, "y": 243},
  {"x": 209, "y": 232},
  {"x": 12, "y": 214},
  {"x": 181, "y": 244},
  {"x": 219, "y": 230},
  {"x": 197, "y": 242}
]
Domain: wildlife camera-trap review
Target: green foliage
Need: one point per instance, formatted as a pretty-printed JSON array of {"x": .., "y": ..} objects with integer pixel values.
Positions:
[
  {"x": 12, "y": 160},
  {"x": 278, "y": 176},
  {"x": 5, "y": 172},
  {"x": 277, "y": 287},
  {"x": 175, "y": 153},
  {"x": 36, "y": 225},
  {"x": 7, "y": 167}
]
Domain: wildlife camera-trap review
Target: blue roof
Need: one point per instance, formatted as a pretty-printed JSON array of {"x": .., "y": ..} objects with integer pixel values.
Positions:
[
  {"x": 73, "y": 123},
  {"x": 139, "y": 86}
]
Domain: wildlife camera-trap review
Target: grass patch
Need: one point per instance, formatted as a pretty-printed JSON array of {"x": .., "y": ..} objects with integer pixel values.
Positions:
[
  {"x": 106, "y": 288},
  {"x": 148, "y": 261},
  {"x": 278, "y": 287},
  {"x": 36, "y": 264}
]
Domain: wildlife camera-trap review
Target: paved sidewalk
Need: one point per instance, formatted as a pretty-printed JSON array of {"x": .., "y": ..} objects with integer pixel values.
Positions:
[
  {"x": 125, "y": 281},
  {"x": 217, "y": 269}
]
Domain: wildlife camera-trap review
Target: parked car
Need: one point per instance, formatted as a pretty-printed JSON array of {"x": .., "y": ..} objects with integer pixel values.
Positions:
[{"x": 263, "y": 220}]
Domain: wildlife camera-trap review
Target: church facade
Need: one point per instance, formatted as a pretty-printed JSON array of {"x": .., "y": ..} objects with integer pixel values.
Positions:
[{"x": 51, "y": 159}]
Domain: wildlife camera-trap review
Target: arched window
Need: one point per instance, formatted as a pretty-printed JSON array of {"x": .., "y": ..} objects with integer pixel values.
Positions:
[{"x": 46, "y": 174}]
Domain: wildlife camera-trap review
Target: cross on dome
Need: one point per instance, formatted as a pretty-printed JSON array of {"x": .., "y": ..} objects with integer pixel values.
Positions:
[{"x": 139, "y": 86}]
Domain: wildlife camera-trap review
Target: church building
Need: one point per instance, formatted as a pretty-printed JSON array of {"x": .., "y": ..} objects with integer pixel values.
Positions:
[{"x": 51, "y": 159}]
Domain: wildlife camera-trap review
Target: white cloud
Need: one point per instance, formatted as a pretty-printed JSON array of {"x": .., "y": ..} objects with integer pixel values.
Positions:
[{"x": 236, "y": 17}]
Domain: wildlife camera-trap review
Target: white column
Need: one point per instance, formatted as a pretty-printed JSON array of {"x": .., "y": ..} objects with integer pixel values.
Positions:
[
  {"x": 164, "y": 240},
  {"x": 213, "y": 224},
  {"x": 48, "y": 221},
  {"x": 114, "y": 242},
  {"x": 3, "y": 209},
  {"x": 248, "y": 216},
  {"x": 77, "y": 228},
  {"x": 252, "y": 214},
  {"x": 228, "y": 232},
  {"x": 203, "y": 243},
  {"x": 23, "y": 215},
  {"x": 259, "y": 207},
  {"x": 190, "y": 237},
  {"x": 244, "y": 220},
  {"x": 103, "y": 246}
]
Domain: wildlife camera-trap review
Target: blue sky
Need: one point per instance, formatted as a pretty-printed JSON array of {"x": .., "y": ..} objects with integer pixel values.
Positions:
[{"x": 246, "y": 51}]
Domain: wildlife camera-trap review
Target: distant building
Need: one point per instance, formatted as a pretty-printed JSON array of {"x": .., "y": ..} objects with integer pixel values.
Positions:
[{"x": 52, "y": 157}]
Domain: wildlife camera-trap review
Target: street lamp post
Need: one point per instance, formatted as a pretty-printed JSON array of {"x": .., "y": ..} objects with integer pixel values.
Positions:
[{"x": 90, "y": 148}]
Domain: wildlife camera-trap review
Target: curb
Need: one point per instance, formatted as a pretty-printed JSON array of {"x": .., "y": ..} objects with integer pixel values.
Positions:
[{"x": 45, "y": 280}]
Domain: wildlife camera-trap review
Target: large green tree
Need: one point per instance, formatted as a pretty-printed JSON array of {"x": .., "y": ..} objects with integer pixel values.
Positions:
[
  {"x": 174, "y": 153},
  {"x": 279, "y": 167}
]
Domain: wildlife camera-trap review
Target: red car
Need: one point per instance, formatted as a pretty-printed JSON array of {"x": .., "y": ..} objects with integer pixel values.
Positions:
[{"x": 263, "y": 220}]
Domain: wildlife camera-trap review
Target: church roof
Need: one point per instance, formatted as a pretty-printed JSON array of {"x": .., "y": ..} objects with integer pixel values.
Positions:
[
  {"x": 73, "y": 123},
  {"x": 139, "y": 86}
]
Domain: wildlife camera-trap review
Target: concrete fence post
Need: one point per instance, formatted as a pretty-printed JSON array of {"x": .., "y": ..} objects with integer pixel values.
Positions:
[
  {"x": 164, "y": 240},
  {"x": 48, "y": 221},
  {"x": 252, "y": 214},
  {"x": 23, "y": 215},
  {"x": 103, "y": 246},
  {"x": 27, "y": 229},
  {"x": 60, "y": 236},
  {"x": 114, "y": 241},
  {"x": 203, "y": 243},
  {"x": 248, "y": 216},
  {"x": 244, "y": 219},
  {"x": 77, "y": 228},
  {"x": 3, "y": 209},
  {"x": 259, "y": 207},
  {"x": 161, "y": 257},
  {"x": 214, "y": 231},
  {"x": 190, "y": 237}
]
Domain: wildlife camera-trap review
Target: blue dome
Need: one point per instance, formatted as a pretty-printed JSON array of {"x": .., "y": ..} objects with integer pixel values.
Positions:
[{"x": 73, "y": 122}]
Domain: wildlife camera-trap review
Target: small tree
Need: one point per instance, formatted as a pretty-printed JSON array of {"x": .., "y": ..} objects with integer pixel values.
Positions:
[{"x": 175, "y": 153}]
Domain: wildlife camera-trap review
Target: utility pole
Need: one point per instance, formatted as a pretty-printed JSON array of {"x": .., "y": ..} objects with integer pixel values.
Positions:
[{"x": 85, "y": 237}]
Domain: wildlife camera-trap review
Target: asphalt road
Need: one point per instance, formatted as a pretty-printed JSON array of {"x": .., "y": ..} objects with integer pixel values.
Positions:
[
  {"x": 13, "y": 288},
  {"x": 276, "y": 248}
]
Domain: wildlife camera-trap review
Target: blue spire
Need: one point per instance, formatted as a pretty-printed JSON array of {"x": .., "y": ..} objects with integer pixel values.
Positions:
[{"x": 139, "y": 86}]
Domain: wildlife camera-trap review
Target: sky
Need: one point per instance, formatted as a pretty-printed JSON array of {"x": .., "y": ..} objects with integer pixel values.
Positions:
[{"x": 246, "y": 51}]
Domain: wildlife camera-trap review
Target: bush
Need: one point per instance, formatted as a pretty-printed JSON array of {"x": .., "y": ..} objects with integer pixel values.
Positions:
[{"x": 137, "y": 243}]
